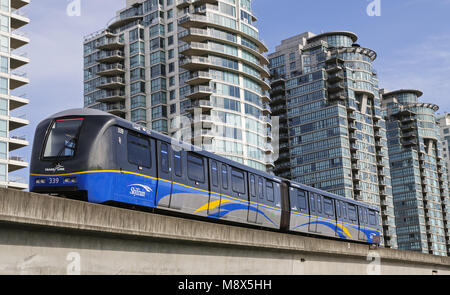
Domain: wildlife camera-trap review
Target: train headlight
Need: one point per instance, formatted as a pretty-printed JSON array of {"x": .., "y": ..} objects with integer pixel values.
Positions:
[
  {"x": 40, "y": 180},
  {"x": 70, "y": 180}
]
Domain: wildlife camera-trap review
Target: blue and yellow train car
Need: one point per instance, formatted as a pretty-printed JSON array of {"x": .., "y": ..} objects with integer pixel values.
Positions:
[{"x": 93, "y": 156}]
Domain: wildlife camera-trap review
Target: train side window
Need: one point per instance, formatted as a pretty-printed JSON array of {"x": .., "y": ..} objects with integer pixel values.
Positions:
[
  {"x": 164, "y": 158},
  {"x": 260, "y": 188},
  {"x": 319, "y": 203},
  {"x": 352, "y": 212},
  {"x": 344, "y": 210},
  {"x": 252, "y": 186},
  {"x": 237, "y": 180},
  {"x": 196, "y": 171},
  {"x": 214, "y": 174},
  {"x": 138, "y": 151},
  {"x": 372, "y": 218},
  {"x": 301, "y": 199},
  {"x": 338, "y": 209},
  {"x": 328, "y": 206},
  {"x": 177, "y": 163},
  {"x": 312, "y": 203},
  {"x": 224, "y": 177},
  {"x": 269, "y": 191}
]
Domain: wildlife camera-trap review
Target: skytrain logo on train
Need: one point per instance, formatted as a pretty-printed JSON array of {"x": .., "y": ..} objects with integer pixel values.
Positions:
[
  {"x": 139, "y": 190},
  {"x": 57, "y": 168}
]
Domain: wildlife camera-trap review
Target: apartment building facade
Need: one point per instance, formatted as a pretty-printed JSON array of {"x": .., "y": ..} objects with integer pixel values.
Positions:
[
  {"x": 12, "y": 41},
  {"x": 332, "y": 131},
  {"x": 419, "y": 173},
  {"x": 192, "y": 69}
]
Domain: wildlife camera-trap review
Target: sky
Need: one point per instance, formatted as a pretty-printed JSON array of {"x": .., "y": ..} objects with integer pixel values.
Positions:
[{"x": 411, "y": 38}]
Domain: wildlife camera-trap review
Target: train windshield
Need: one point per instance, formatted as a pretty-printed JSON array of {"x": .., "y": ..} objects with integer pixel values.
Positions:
[{"x": 62, "y": 140}]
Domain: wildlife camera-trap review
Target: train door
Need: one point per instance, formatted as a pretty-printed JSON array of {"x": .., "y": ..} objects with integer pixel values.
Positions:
[
  {"x": 195, "y": 187},
  {"x": 178, "y": 177},
  {"x": 253, "y": 199},
  {"x": 224, "y": 189},
  {"x": 261, "y": 196},
  {"x": 215, "y": 187},
  {"x": 330, "y": 215},
  {"x": 299, "y": 210},
  {"x": 341, "y": 230},
  {"x": 165, "y": 181},
  {"x": 136, "y": 183},
  {"x": 362, "y": 216},
  {"x": 312, "y": 213}
]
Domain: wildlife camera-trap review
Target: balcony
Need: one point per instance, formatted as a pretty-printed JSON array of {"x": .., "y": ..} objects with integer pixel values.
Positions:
[
  {"x": 111, "y": 56},
  {"x": 333, "y": 68},
  {"x": 18, "y": 19},
  {"x": 18, "y": 60},
  {"x": 117, "y": 109},
  {"x": 17, "y": 183},
  {"x": 110, "y": 44},
  {"x": 17, "y": 80},
  {"x": 15, "y": 163},
  {"x": 204, "y": 105},
  {"x": 197, "y": 35},
  {"x": 17, "y": 101},
  {"x": 199, "y": 77},
  {"x": 203, "y": 21},
  {"x": 16, "y": 4},
  {"x": 337, "y": 96},
  {"x": 199, "y": 92},
  {"x": 333, "y": 88},
  {"x": 195, "y": 63},
  {"x": 17, "y": 142},
  {"x": 111, "y": 83},
  {"x": 266, "y": 97},
  {"x": 183, "y": 3},
  {"x": 120, "y": 21},
  {"x": 111, "y": 69},
  {"x": 112, "y": 96},
  {"x": 335, "y": 78},
  {"x": 18, "y": 39},
  {"x": 17, "y": 122},
  {"x": 203, "y": 122},
  {"x": 203, "y": 135}
]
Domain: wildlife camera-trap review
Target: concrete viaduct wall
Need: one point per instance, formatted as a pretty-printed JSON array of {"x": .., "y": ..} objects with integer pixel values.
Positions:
[{"x": 41, "y": 234}]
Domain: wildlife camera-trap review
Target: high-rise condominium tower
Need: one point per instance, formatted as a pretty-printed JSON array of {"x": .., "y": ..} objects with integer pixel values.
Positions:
[
  {"x": 198, "y": 59},
  {"x": 12, "y": 39},
  {"x": 332, "y": 132},
  {"x": 419, "y": 173}
]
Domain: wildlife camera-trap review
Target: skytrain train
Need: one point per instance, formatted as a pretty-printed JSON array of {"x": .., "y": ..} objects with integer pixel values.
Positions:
[{"x": 97, "y": 157}]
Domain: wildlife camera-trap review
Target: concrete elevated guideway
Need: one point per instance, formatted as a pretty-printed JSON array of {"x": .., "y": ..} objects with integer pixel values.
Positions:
[{"x": 40, "y": 234}]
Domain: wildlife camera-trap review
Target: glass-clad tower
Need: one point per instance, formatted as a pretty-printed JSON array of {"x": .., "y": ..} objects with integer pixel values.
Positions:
[
  {"x": 419, "y": 173},
  {"x": 193, "y": 69},
  {"x": 12, "y": 99},
  {"x": 332, "y": 132}
]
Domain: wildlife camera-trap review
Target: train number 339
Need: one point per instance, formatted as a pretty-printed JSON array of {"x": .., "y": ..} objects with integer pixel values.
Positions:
[{"x": 53, "y": 180}]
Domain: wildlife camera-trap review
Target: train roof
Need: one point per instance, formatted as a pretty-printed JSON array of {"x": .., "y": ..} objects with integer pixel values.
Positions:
[{"x": 86, "y": 112}]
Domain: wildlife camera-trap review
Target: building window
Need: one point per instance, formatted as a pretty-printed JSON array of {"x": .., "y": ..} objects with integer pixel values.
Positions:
[
  {"x": 3, "y": 152},
  {"x": 3, "y": 172},
  {"x": 4, "y": 65}
]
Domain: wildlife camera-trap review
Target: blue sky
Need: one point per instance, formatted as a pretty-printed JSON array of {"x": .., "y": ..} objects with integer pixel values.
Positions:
[{"x": 411, "y": 37}]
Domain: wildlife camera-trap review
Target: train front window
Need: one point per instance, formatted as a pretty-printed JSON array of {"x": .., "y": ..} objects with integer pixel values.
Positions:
[{"x": 62, "y": 140}]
